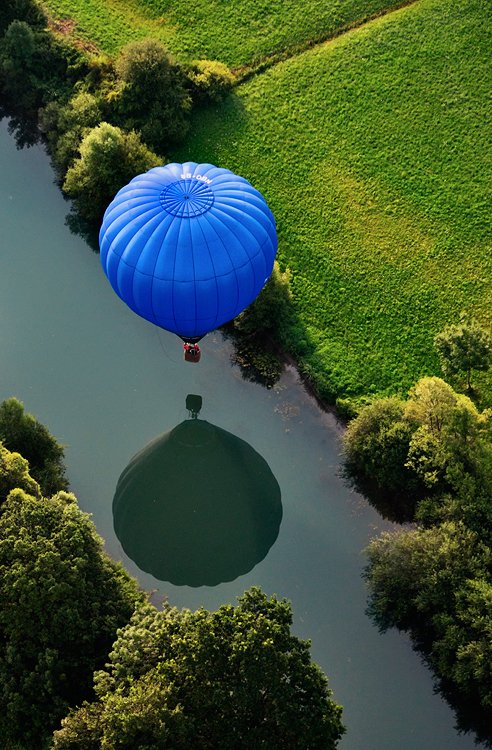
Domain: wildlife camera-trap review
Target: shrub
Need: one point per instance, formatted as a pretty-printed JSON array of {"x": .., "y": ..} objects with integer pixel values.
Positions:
[{"x": 210, "y": 80}]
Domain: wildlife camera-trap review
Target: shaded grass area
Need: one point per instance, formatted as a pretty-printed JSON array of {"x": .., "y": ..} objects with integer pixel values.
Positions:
[
  {"x": 373, "y": 151},
  {"x": 237, "y": 32}
]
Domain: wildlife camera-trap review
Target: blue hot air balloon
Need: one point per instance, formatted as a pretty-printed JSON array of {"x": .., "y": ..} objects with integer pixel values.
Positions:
[{"x": 188, "y": 247}]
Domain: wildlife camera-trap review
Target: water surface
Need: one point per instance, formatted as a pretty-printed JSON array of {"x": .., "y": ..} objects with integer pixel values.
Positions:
[{"x": 107, "y": 383}]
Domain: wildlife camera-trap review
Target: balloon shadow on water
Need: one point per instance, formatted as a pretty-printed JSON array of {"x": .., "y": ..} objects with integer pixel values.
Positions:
[{"x": 197, "y": 506}]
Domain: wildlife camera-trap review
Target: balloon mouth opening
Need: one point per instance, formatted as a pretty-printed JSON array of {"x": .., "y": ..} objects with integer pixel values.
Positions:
[{"x": 187, "y": 198}]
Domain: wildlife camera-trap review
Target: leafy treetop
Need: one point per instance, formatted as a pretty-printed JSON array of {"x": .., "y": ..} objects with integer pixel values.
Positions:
[
  {"x": 23, "y": 433},
  {"x": 233, "y": 679},
  {"x": 61, "y": 602}
]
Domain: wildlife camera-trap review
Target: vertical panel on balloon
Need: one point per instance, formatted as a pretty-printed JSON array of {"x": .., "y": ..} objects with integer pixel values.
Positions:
[
  {"x": 260, "y": 271},
  {"x": 162, "y": 303},
  {"x": 206, "y": 305},
  {"x": 246, "y": 285},
  {"x": 202, "y": 261},
  {"x": 183, "y": 262},
  {"x": 269, "y": 250},
  {"x": 112, "y": 263},
  {"x": 228, "y": 297},
  {"x": 246, "y": 221},
  {"x": 142, "y": 295},
  {"x": 164, "y": 267},
  {"x": 237, "y": 239},
  {"x": 184, "y": 307},
  {"x": 124, "y": 282},
  {"x": 215, "y": 239}
]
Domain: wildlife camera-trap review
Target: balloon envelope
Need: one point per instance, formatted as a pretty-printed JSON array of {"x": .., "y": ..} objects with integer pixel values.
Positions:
[{"x": 188, "y": 246}]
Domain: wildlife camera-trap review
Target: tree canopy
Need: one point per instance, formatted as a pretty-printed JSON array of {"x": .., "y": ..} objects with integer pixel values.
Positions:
[
  {"x": 61, "y": 602},
  {"x": 23, "y": 433},
  {"x": 400, "y": 452},
  {"x": 435, "y": 580},
  {"x": 463, "y": 348},
  {"x": 109, "y": 158},
  {"x": 150, "y": 94},
  {"x": 14, "y": 474},
  {"x": 234, "y": 679},
  {"x": 21, "y": 10}
]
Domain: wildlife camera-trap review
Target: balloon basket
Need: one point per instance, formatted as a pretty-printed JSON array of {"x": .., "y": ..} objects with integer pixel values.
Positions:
[{"x": 192, "y": 353}]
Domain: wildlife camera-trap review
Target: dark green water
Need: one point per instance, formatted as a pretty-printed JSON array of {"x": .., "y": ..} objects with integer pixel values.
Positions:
[
  {"x": 107, "y": 384},
  {"x": 197, "y": 506}
]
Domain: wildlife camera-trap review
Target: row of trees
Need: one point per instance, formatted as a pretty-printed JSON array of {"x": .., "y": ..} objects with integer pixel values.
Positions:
[
  {"x": 104, "y": 119},
  {"x": 428, "y": 459},
  {"x": 78, "y": 639}
]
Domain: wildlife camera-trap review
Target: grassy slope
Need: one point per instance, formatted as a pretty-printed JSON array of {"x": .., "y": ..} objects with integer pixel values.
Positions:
[
  {"x": 374, "y": 153},
  {"x": 237, "y": 32}
]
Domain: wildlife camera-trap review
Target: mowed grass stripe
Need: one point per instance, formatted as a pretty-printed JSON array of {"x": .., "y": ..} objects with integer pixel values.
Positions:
[
  {"x": 374, "y": 153},
  {"x": 238, "y": 32}
]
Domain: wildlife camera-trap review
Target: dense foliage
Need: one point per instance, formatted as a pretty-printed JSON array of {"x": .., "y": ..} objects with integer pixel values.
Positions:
[
  {"x": 258, "y": 330},
  {"x": 463, "y": 348},
  {"x": 429, "y": 459},
  {"x": 399, "y": 452},
  {"x": 109, "y": 158},
  {"x": 61, "y": 602},
  {"x": 371, "y": 152},
  {"x": 100, "y": 116},
  {"x": 436, "y": 583},
  {"x": 21, "y": 10},
  {"x": 150, "y": 94},
  {"x": 234, "y": 679},
  {"x": 14, "y": 474},
  {"x": 35, "y": 66},
  {"x": 23, "y": 433}
]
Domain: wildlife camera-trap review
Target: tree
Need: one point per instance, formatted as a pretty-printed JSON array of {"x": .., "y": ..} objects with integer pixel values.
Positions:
[
  {"x": 21, "y": 10},
  {"x": 109, "y": 158},
  {"x": 36, "y": 67},
  {"x": 18, "y": 65},
  {"x": 22, "y": 432},
  {"x": 436, "y": 584},
  {"x": 272, "y": 309},
  {"x": 463, "y": 348},
  {"x": 14, "y": 473},
  {"x": 462, "y": 651},
  {"x": 150, "y": 95},
  {"x": 65, "y": 126},
  {"x": 376, "y": 445},
  {"x": 399, "y": 452},
  {"x": 210, "y": 80},
  {"x": 61, "y": 602},
  {"x": 235, "y": 679},
  {"x": 414, "y": 575},
  {"x": 452, "y": 437}
]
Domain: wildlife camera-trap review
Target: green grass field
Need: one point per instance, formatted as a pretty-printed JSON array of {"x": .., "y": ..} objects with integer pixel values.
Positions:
[
  {"x": 373, "y": 151},
  {"x": 237, "y": 32}
]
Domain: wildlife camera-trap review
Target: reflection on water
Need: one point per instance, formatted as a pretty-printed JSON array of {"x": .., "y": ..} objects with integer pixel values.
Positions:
[{"x": 197, "y": 506}]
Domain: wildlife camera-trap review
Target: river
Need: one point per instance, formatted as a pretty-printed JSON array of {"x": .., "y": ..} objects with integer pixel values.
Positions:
[{"x": 106, "y": 383}]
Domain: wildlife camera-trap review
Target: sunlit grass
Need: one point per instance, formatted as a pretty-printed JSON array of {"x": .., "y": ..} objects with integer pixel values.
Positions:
[
  {"x": 374, "y": 153},
  {"x": 237, "y": 32}
]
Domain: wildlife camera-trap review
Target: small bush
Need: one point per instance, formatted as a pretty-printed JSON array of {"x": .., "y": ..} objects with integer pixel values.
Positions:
[{"x": 210, "y": 80}]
